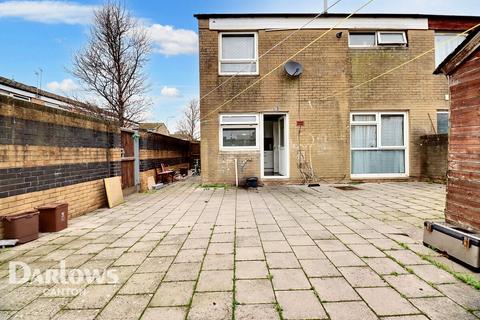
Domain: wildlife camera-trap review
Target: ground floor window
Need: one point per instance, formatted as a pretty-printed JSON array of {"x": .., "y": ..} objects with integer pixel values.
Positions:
[
  {"x": 442, "y": 121},
  {"x": 238, "y": 131},
  {"x": 378, "y": 143}
]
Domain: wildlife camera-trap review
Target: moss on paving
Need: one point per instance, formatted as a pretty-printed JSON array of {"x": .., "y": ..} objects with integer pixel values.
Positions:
[
  {"x": 464, "y": 277},
  {"x": 214, "y": 186}
]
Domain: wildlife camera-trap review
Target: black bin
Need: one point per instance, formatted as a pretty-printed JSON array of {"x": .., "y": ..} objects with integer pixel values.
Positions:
[{"x": 252, "y": 182}]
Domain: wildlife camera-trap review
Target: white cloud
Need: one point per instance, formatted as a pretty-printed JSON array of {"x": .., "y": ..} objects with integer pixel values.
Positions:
[
  {"x": 170, "y": 92},
  {"x": 64, "y": 86},
  {"x": 166, "y": 39},
  {"x": 170, "y": 41},
  {"x": 47, "y": 11}
]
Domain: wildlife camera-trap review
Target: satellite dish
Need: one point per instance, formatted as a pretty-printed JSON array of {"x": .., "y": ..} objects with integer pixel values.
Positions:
[{"x": 293, "y": 68}]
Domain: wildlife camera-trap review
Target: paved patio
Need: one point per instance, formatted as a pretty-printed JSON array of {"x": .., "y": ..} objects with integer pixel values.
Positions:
[{"x": 292, "y": 252}]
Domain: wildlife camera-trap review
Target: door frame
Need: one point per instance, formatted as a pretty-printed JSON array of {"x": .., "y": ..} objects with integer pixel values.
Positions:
[{"x": 287, "y": 145}]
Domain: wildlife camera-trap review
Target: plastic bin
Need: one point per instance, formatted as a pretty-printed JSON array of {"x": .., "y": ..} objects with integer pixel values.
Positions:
[
  {"x": 53, "y": 217},
  {"x": 22, "y": 226}
]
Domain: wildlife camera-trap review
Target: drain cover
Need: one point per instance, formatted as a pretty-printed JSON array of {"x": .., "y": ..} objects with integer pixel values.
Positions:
[{"x": 347, "y": 188}]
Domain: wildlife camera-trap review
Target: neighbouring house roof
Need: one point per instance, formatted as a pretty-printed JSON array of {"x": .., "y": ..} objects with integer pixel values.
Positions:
[
  {"x": 460, "y": 54},
  {"x": 158, "y": 127},
  {"x": 36, "y": 91},
  {"x": 14, "y": 89}
]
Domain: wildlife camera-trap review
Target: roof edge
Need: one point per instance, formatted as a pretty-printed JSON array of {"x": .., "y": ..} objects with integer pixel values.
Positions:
[
  {"x": 443, "y": 66},
  {"x": 311, "y": 14}
]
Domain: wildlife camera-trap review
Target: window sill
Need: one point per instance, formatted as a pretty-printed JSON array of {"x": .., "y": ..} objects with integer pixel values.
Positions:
[
  {"x": 383, "y": 47},
  {"x": 379, "y": 176},
  {"x": 239, "y": 150},
  {"x": 238, "y": 74}
]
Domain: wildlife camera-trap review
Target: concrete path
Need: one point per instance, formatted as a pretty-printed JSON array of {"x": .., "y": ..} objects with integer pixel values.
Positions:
[{"x": 289, "y": 252}]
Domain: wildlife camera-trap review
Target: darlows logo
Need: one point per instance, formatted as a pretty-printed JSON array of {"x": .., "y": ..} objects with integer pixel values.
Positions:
[{"x": 20, "y": 273}]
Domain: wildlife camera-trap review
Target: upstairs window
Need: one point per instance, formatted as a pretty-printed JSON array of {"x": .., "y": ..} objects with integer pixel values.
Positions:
[
  {"x": 362, "y": 39},
  {"x": 238, "y": 54},
  {"x": 442, "y": 122},
  {"x": 391, "y": 38},
  {"x": 445, "y": 43},
  {"x": 21, "y": 97},
  {"x": 376, "y": 38}
]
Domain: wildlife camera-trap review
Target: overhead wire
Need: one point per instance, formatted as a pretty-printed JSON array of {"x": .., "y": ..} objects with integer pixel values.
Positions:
[
  {"x": 440, "y": 44},
  {"x": 269, "y": 50},
  {"x": 202, "y": 119}
]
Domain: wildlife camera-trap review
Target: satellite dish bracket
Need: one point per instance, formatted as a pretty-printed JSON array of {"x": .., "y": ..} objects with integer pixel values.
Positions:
[{"x": 293, "y": 68}]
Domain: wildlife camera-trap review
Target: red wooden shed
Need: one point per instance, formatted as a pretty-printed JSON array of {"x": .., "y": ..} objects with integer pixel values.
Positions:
[{"x": 462, "y": 67}]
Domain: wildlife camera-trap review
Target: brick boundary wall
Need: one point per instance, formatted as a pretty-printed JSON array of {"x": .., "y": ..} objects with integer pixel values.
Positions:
[
  {"x": 433, "y": 157},
  {"x": 51, "y": 155}
]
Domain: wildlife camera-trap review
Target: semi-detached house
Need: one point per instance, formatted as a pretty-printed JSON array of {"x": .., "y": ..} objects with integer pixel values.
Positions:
[{"x": 334, "y": 121}]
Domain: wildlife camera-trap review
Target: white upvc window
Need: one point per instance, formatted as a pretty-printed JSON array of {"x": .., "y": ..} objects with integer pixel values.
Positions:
[
  {"x": 391, "y": 37},
  {"x": 239, "y": 132},
  {"x": 445, "y": 43},
  {"x": 379, "y": 144},
  {"x": 366, "y": 39},
  {"x": 21, "y": 97},
  {"x": 238, "y": 53},
  {"x": 442, "y": 121},
  {"x": 362, "y": 39}
]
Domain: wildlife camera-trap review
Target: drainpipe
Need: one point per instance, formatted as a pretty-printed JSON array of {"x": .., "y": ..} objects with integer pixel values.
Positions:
[
  {"x": 236, "y": 172},
  {"x": 136, "y": 163}
]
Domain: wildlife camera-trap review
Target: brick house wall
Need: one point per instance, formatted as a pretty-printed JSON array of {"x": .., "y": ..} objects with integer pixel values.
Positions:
[
  {"x": 51, "y": 155},
  {"x": 329, "y": 66}
]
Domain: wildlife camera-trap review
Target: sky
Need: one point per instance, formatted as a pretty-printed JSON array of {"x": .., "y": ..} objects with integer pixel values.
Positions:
[{"x": 45, "y": 34}]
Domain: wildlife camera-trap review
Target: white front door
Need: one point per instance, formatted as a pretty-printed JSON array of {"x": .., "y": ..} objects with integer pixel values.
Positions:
[{"x": 282, "y": 150}]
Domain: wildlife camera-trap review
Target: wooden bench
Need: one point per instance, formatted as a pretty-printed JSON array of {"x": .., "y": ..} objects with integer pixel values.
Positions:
[{"x": 163, "y": 173}]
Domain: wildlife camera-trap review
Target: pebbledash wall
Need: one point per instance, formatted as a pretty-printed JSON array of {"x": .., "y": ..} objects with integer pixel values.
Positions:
[
  {"x": 51, "y": 155},
  {"x": 330, "y": 67},
  {"x": 156, "y": 149}
]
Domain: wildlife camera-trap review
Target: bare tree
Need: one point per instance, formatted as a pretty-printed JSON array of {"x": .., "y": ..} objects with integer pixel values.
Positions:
[
  {"x": 111, "y": 64},
  {"x": 189, "y": 125}
]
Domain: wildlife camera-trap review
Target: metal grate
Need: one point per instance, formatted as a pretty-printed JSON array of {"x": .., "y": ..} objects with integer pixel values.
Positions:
[{"x": 347, "y": 188}]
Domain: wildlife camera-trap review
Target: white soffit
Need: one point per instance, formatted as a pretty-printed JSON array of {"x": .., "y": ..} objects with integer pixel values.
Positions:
[{"x": 319, "y": 23}]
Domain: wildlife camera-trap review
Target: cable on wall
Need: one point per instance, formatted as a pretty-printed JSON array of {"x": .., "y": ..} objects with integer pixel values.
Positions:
[
  {"x": 283, "y": 62},
  {"x": 442, "y": 43},
  {"x": 268, "y": 51}
]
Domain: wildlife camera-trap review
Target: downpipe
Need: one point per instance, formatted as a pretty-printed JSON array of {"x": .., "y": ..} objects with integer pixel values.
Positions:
[{"x": 236, "y": 172}]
